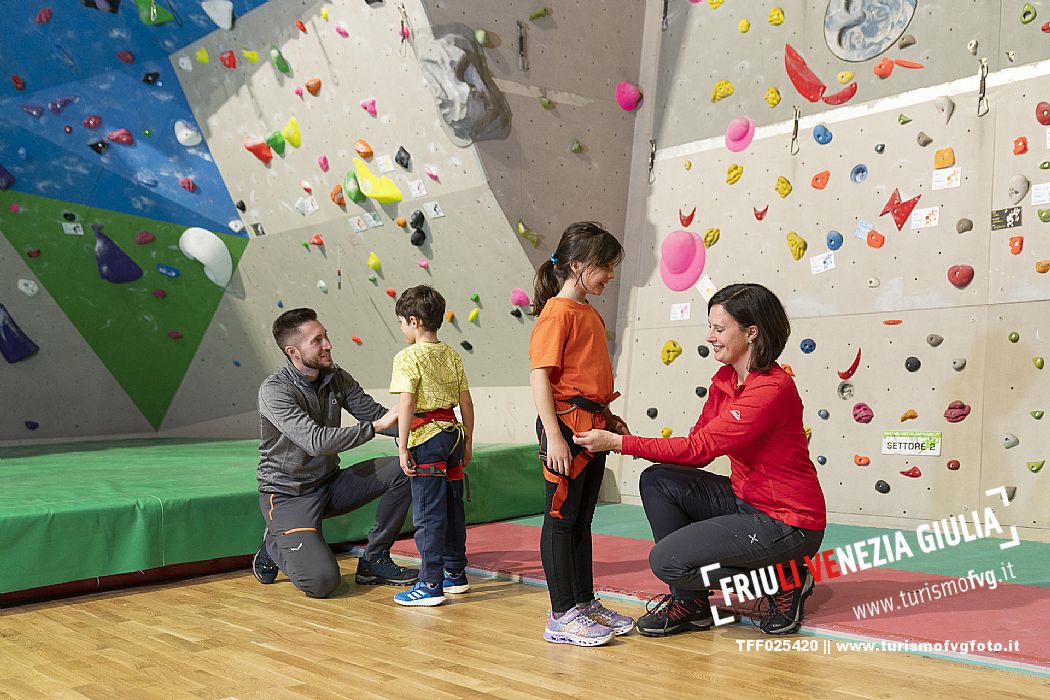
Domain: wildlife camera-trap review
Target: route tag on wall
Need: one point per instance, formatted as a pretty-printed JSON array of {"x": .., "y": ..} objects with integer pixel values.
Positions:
[
  {"x": 681, "y": 312},
  {"x": 910, "y": 442}
]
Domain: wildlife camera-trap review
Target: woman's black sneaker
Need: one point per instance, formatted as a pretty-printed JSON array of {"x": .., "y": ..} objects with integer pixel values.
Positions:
[
  {"x": 786, "y": 610},
  {"x": 666, "y": 615}
]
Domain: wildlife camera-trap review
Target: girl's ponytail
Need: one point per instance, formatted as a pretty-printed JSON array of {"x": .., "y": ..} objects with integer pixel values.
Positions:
[{"x": 547, "y": 285}]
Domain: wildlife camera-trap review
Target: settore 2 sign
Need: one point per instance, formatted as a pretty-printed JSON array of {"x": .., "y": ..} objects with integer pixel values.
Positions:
[{"x": 910, "y": 442}]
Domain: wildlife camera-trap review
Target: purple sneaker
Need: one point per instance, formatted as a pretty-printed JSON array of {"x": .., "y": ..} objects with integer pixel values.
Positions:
[
  {"x": 619, "y": 624},
  {"x": 574, "y": 627}
]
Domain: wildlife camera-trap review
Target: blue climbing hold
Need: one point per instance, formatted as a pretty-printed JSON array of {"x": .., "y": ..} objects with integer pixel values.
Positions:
[
  {"x": 821, "y": 134},
  {"x": 823, "y": 413},
  {"x": 114, "y": 265},
  {"x": 822, "y": 460},
  {"x": 280, "y": 304},
  {"x": 834, "y": 240},
  {"x": 32, "y": 424},
  {"x": 15, "y": 345},
  {"x": 859, "y": 173},
  {"x": 808, "y": 345},
  {"x": 236, "y": 363},
  {"x": 168, "y": 270}
]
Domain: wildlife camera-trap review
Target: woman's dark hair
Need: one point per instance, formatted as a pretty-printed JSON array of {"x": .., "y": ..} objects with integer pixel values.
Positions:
[
  {"x": 425, "y": 303},
  {"x": 754, "y": 305},
  {"x": 287, "y": 324},
  {"x": 584, "y": 242}
]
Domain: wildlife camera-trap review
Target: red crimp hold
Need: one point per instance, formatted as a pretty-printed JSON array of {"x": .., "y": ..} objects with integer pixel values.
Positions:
[
  {"x": 686, "y": 219},
  {"x": 17, "y": 81},
  {"x": 901, "y": 211},
  {"x": 913, "y": 473},
  {"x": 852, "y": 368},
  {"x": 44, "y": 16},
  {"x": 759, "y": 215},
  {"x": 805, "y": 81},
  {"x": 126, "y": 56},
  {"x": 188, "y": 184},
  {"x": 92, "y": 121},
  {"x": 842, "y": 96}
]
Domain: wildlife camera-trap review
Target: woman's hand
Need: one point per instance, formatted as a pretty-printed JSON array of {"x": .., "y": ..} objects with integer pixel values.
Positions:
[
  {"x": 558, "y": 456},
  {"x": 598, "y": 441}
]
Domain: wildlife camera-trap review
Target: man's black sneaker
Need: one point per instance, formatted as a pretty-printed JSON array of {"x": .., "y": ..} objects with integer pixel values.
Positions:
[
  {"x": 263, "y": 566},
  {"x": 785, "y": 612},
  {"x": 666, "y": 615},
  {"x": 383, "y": 570}
]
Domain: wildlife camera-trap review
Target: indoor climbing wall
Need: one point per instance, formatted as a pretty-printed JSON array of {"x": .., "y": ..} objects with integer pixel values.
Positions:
[
  {"x": 897, "y": 214},
  {"x": 322, "y": 142}
]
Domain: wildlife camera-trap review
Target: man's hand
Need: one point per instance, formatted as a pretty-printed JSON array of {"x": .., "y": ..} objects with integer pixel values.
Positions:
[
  {"x": 558, "y": 456},
  {"x": 388, "y": 421},
  {"x": 598, "y": 441},
  {"x": 408, "y": 465}
]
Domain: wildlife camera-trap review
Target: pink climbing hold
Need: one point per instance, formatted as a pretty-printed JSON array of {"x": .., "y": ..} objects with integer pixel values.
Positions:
[
  {"x": 188, "y": 184},
  {"x": 174, "y": 335},
  {"x": 15, "y": 207},
  {"x": 92, "y": 121},
  {"x": 739, "y": 134},
  {"x": 862, "y": 413},
  {"x": 369, "y": 105},
  {"x": 44, "y": 16},
  {"x": 121, "y": 136},
  {"x": 298, "y": 91},
  {"x": 144, "y": 237},
  {"x": 956, "y": 412},
  {"x": 628, "y": 95},
  {"x": 322, "y": 163},
  {"x": 432, "y": 173},
  {"x": 518, "y": 297},
  {"x": 424, "y": 263},
  {"x": 341, "y": 31},
  {"x": 159, "y": 294},
  {"x": 126, "y": 56}
]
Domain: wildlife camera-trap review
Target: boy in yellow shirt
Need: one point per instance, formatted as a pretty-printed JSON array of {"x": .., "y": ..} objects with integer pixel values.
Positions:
[{"x": 434, "y": 447}]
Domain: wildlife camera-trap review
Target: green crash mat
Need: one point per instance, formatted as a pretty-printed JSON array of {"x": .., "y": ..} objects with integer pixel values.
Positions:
[{"x": 75, "y": 511}]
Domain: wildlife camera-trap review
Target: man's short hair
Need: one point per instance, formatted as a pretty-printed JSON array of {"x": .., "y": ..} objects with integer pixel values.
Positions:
[
  {"x": 425, "y": 303},
  {"x": 287, "y": 325}
]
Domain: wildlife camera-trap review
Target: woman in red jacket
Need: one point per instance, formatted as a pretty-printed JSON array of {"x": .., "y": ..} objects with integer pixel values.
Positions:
[{"x": 769, "y": 511}]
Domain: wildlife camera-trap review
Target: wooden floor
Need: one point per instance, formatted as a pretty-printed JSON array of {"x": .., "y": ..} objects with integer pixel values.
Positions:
[{"x": 227, "y": 636}]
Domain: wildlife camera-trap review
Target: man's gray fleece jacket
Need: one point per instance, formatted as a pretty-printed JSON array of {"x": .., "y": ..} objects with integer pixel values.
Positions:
[{"x": 300, "y": 437}]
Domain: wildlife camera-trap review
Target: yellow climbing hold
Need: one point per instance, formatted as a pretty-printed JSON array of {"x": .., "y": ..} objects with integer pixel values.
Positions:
[
  {"x": 473, "y": 315},
  {"x": 250, "y": 56},
  {"x": 373, "y": 261},
  {"x": 665, "y": 432},
  {"x": 715, "y": 4},
  {"x": 688, "y": 165},
  {"x": 711, "y": 237},
  {"x": 783, "y": 186},
  {"x": 722, "y": 90},
  {"x": 733, "y": 173},
  {"x": 201, "y": 55},
  {"x": 772, "y": 97},
  {"x": 809, "y": 433},
  {"x": 845, "y": 76},
  {"x": 910, "y": 414},
  {"x": 744, "y": 26},
  {"x": 324, "y": 13},
  {"x": 291, "y": 133},
  {"x": 381, "y": 189},
  {"x": 670, "y": 352},
  {"x": 797, "y": 244},
  {"x": 1038, "y": 362},
  {"x": 776, "y": 17},
  {"x": 1034, "y": 467}
]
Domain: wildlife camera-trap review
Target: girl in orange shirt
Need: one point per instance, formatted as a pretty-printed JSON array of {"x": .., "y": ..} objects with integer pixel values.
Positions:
[{"x": 572, "y": 385}]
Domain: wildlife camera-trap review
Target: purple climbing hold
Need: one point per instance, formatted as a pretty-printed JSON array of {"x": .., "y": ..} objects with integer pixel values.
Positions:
[
  {"x": 7, "y": 178},
  {"x": 34, "y": 110},
  {"x": 15, "y": 345},
  {"x": 114, "y": 265},
  {"x": 32, "y": 424},
  {"x": 56, "y": 106}
]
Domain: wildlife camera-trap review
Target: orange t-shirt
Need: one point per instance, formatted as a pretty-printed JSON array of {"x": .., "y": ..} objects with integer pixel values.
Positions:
[{"x": 569, "y": 338}]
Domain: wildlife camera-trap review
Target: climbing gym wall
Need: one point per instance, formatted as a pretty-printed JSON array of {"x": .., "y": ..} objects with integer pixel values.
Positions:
[
  {"x": 320, "y": 150},
  {"x": 880, "y": 166}
]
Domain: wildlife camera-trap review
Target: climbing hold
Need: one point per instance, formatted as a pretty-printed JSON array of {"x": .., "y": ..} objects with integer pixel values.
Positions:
[
  {"x": 174, "y": 335},
  {"x": 7, "y": 178},
  {"x": 516, "y": 313},
  {"x": 703, "y": 350},
  {"x": 862, "y": 413},
  {"x": 19, "y": 84},
  {"x": 845, "y": 76},
  {"x": 291, "y": 132},
  {"x": 701, "y": 391},
  {"x": 743, "y": 26},
  {"x": 1041, "y": 266},
  {"x": 546, "y": 102},
  {"x": 847, "y": 374},
  {"x": 1010, "y": 440},
  {"x": 186, "y": 134},
  {"x": 92, "y": 121},
  {"x": 535, "y": 14},
  {"x": 201, "y": 55},
  {"x": 956, "y": 412},
  {"x": 880, "y": 148},
  {"x": 1027, "y": 13},
  {"x": 861, "y": 460},
  {"x": 518, "y": 297},
  {"x": 651, "y": 412},
  {"x": 759, "y": 215},
  {"x": 373, "y": 261},
  {"x": 834, "y": 240},
  {"x": 28, "y": 287},
  {"x": 687, "y": 165},
  {"x": 1042, "y": 113},
  {"x": 900, "y": 210},
  {"x": 808, "y": 345},
  {"x": 884, "y": 68},
  {"x": 776, "y": 17},
  {"x": 787, "y": 369},
  {"x": 208, "y": 249},
  {"x": 1044, "y": 215},
  {"x": 685, "y": 220},
  {"x": 114, "y": 265},
  {"x": 352, "y": 188},
  {"x": 892, "y": 322},
  {"x": 126, "y": 56},
  {"x": 1016, "y": 244},
  {"x": 913, "y": 473},
  {"x": 1038, "y": 362},
  {"x": 628, "y": 95},
  {"x": 322, "y": 163},
  {"x": 168, "y": 270},
  {"x": 58, "y": 105},
  {"x": 121, "y": 136},
  {"x": 336, "y": 195},
  {"x": 1034, "y": 467},
  {"x": 1038, "y": 415},
  {"x": 875, "y": 239},
  {"x": 391, "y": 292},
  {"x": 188, "y": 184},
  {"x": 313, "y": 86},
  {"x": 960, "y": 275},
  {"x": 44, "y": 16},
  {"x": 733, "y": 173},
  {"x": 1014, "y": 337},
  {"x": 1017, "y": 188},
  {"x": 300, "y": 26},
  {"x": 797, "y": 245},
  {"x": 912, "y": 364},
  {"x": 362, "y": 148},
  {"x": 933, "y": 340},
  {"x": 576, "y": 146},
  {"x": 711, "y": 237},
  {"x": 259, "y": 149},
  {"x": 401, "y": 221},
  {"x": 905, "y": 41},
  {"x": 903, "y": 119},
  {"x": 842, "y": 96},
  {"x": 772, "y": 97},
  {"x": 907, "y": 64},
  {"x": 473, "y": 315},
  {"x": 670, "y": 352},
  {"x": 963, "y": 225},
  {"x": 923, "y": 140},
  {"x": 953, "y": 465},
  {"x": 822, "y": 460},
  {"x": 228, "y": 59},
  {"x": 782, "y": 186},
  {"x": 465, "y": 344},
  {"x": 1020, "y": 146},
  {"x": 823, "y": 413},
  {"x": 859, "y": 173},
  {"x": 151, "y": 77},
  {"x": 418, "y": 237},
  {"x": 279, "y": 61},
  {"x": 33, "y": 110},
  {"x": 1010, "y": 56},
  {"x": 381, "y": 189},
  {"x": 144, "y": 238},
  {"x": 15, "y": 345},
  {"x": 882, "y": 487},
  {"x": 820, "y": 180},
  {"x": 945, "y": 106},
  {"x": 821, "y": 134},
  {"x": 805, "y": 80},
  {"x": 739, "y": 134},
  {"x": 403, "y": 157},
  {"x": 316, "y": 240},
  {"x": 220, "y": 12},
  {"x": 959, "y": 364},
  {"x": 159, "y": 294},
  {"x": 275, "y": 140},
  {"x": 722, "y": 90},
  {"x": 910, "y": 414}
]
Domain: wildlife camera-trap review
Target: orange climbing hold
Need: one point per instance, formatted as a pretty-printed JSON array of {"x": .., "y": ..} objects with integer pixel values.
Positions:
[
  {"x": 892, "y": 322},
  {"x": 313, "y": 86},
  {"x": 884, "y": 68},
  {"x": 861, "y": 460},
  {"x": 401, "y": 221},
  {"x": 820, "y": 180},
  {"x": 1042, "y": 266},
  {"x": 449, "y": 316},
  {"x": 1016, "y": 245},
  {"x": 910, "y": 414},
  {"x": 357, "y": 339},
  {"x": 337, "y": 196},
  {"x": 875, "y": 239},
  {"x": 787, "y": 370},
  {"x": 907, "y": 64},
  {"x": 317, "y": 240},
  {"x": 362, "y": 148},
  {"x": 300, "y": 26},
  {"x": 1020, "y": 146}
]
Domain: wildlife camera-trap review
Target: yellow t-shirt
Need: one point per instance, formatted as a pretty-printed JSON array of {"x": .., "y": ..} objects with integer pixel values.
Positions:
[{"x": 434, "y": 373}]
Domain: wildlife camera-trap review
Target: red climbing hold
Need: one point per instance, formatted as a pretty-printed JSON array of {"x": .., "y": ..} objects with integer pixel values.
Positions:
[
  {"x": 92, "y": 121},
  {"x": 907, "y": 64},
  {"x": 188, "y": 184},
  {"x": 842, "y": 96},
  {"x": 126, "y": 56},
  {"x": 33, "y": 253},
  {"x": 121, "y": 136},
  {"x": 805, "y": 81},
  {"x": 19, "y": 84},
  {"x": 260, "y": 149},
  {"x": 884, "y": 68},
  {"x": 159, "y": 294},
  {"x": 901, "y": 211},
  {"x": 44, "y": 16},
  {"x": 300, "y": 26},
  {"x": 956, "y": 412},
  {"x": 228, "y": 59},
  {"x": 852, "y": 368},
  {"x": 759, "y": 215},
  {"x": 1020, "y": 146},
  {"x": 144, "y": 237},
  {"x": 391, "y": 292},
  {"x": 913, "y": 473},
  {"x": 960, "y": 275},
  {"x": 357, "y": 339},
  {"x": 953, "y": 465},
  {"x": 686, "y": 219},
  {"x": 174, "y": 335},
  {"x": 1042, "y": 113},
  {"x": 317, "y": 240}
]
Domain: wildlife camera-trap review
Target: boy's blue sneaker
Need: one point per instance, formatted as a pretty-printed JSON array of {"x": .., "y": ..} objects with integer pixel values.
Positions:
[
  {"x": 457, "y": 583},
  {"x": 421, "y": 595}
]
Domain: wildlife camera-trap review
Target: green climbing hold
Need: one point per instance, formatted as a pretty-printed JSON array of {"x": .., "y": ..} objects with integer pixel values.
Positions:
[
  {"x": 1034, "y": 467},
  {"x": 1027, "y": 13},
  {"x": 279, "y": 61},
  {"x": 275, "y": 140},
  {"x": 1044, "y": 215},
  {"x": 482, "y": 37},
  {"x": 1038, "y": 362},
  {"x": 476, "y": 298},
  {"x": 147, "y": 132},
  {"x": 1045, "y": 165},
  {"x": 1038, "y": 415},
  {"x": 546, "y": 102},
  {"x": 352, "y": 188},
  {"x": 576, "y": 146},
  {"x": 373, "y": 279},
  {"x": 1014, "y": 337},
  {"x": 153, "y": 13},
  {"x": 903, "y": 119},
  {"x": 545, "y": 12}
]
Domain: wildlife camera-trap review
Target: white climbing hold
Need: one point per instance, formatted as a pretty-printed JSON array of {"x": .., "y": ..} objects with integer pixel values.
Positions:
[
  {"x": 220, "y": 12},
  {"x": 28, "y": 287},
  {"x": 187, "y": 134},
  {"x": 209, "y": 250}
]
